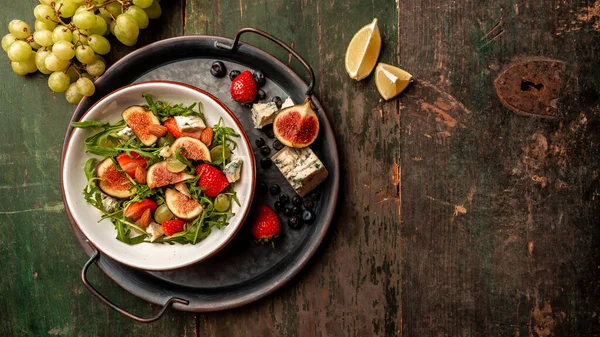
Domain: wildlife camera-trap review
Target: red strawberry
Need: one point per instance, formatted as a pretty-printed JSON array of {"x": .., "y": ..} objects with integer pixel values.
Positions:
[
  {"x": 171, "y": 126},
  {"x": 243, "y": 87},
  {"x": 212, "y": 179},
  {"x": 266, "y": 224},
  {"x": 130, "y": 162},
  {"x": 171, "y": 227},
  {"x": 136, "y": 210}
]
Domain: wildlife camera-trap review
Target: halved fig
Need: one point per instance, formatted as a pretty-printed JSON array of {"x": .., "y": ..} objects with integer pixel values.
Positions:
[
  {"x": 159, "y": 175},
  {"x": 181, "y": 205},
  {"x": 194, "y": 148},
  {"x": 112, "y": 181},
  {"x": 297, "y": 126},
  {"x": 140, "y": 120}
]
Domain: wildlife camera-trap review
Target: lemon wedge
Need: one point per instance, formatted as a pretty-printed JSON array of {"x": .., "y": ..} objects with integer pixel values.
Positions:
[
  {"x": 363, "y": 51},
  {"x": 390, "y": 80}
]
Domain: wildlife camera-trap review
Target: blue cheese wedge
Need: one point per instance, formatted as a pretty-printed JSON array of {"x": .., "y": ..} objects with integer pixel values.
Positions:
[
  {"x": 233, "y": 170},
  {"x": 287, "y": 103},
  {"x": 189, "y": 123},
  {"x": 126, "y": 133},
  {"x": 301, "y": 167},
  {"x": 155, "y": 231},
  {"x": 263, "y": 114},
  {"x": 108, "y": 203}
]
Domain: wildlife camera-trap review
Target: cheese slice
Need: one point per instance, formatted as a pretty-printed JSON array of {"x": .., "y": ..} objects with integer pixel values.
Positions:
[
  {"x": 264, "y": 114},
  {"x": 233, "y": 170},
  {"x": 189, "y": 123},
  {"x": 287, "y": 103},
  {"x": 301, "y": 167}
]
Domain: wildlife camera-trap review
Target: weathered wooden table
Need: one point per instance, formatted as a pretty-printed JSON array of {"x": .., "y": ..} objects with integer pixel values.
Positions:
[{"x": 457, "y": 217}]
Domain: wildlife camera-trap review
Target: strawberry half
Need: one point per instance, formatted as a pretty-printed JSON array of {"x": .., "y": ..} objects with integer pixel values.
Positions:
[
  {"x": 130, "y": 162},
  {"x": 243, "y": 88},
  {"x": 266, "y": 224},
  {"x": 171, "y": 227},
  {"x": 137, "y": 209},
  {"x": 171, "y": 126},
  {"x": 211, "y": 179}
]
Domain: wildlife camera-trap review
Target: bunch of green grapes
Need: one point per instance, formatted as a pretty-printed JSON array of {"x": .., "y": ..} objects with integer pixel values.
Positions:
[{"x": 69, "y": 40}]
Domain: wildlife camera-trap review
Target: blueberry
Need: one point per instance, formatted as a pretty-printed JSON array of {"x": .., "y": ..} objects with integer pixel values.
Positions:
[
  {"x": 294, "y": 222},
  {"x": 233, "y": 74},
  {"x": 277, "y": 100},
  {"x": 308, "y": 203},
  {"x": 274, "y": 189},
  {"x": 259, "y": 142},
  {"x": 262, "y": 187},
  {"x": 260, "y": 95},
  {"x": 277, "y": 145},
  {"x": 269, "y": 131},
  {"x": 278, "y": 206},
  {"x": 259, "y": 78},
  {"x": 265, "y": 150},
  {"x": 308, "y": 217},
  {"x": 266, "y": 162},
  {"x": 315, "y": 195},
  {"x": 287, "y": 211},
  {"x": 297, "y": 201},
  {"x": 296, "y": 210},
  {"x": 217, "y": 69},
  {"x": 284, "y": 198}
]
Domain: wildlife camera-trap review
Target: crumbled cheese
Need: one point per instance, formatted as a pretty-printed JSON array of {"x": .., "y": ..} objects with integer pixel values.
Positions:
[
  {"x": 301, "y": 167},
  {"x": 126, "y": 133},
  {"x": 109, "y": 203},
  {"x": 232, "y": 170},
  {"x": 165, "y": 152},
  {"x": 287, "y": 103},
  {"x": 263, "y": 114},
  {"x": 189, "y": 123},
  {"x": 155, "y": 231}
]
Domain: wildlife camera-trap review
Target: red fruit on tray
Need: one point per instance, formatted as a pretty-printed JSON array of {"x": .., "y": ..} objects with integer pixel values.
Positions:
[
  {"x": 243, "y": 87},
  {"x": 171, "y": 227},
  {"x": 130, "y": 162},
  {"x": 266, "y": 224},
  {"x": 137, "y": 209},
  {"x": 171, "y": 126},
  {"x": 296, "y": 126},
  {"x": 212, "y": 179}
]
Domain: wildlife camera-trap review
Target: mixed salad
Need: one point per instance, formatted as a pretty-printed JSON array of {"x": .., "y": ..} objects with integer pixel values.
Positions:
[{"x": 163, "y": 175}]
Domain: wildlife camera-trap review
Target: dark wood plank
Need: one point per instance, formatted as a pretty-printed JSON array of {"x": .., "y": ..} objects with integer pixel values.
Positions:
[{"x": 41, "y": 260}]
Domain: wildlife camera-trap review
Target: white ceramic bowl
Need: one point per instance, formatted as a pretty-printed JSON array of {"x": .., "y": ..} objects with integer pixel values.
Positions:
[{"x": 153, "y": 256}]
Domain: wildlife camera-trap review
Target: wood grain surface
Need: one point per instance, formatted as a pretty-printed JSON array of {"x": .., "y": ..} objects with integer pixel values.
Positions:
[{"x": 457, "y": 216}]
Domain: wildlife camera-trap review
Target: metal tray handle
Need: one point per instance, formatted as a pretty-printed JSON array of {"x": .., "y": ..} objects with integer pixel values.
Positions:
[
  {"x": 106, "y": 301},
  {"x": 282, "y": 44}
]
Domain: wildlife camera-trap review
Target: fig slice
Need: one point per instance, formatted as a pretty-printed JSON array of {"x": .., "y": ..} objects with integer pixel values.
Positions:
[
  {"x": 112, "y": 181},
  {"x": 181, "y": 205},
  {"x": 159, "y": 175},
  {"x": 140, "y": 120},
  {"x": 194, "y": 148},
  {"x": 297, "y": 126}
]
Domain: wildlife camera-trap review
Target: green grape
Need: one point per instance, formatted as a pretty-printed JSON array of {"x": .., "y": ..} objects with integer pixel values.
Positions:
[
  {"x": 222, "y": 203},
  {"x": 122, "y": 38},
  {"x": 139, "y": 15},
  {"x": 100, "y": 58},
  {"x": 72, "y": 94},
  {"x": 40, "y": 25},
  {"x": 24, "y": 67},
  {"x": 65, "y": 8},
  {"x": 162, "y": 214},
  {"x": 216, "y": 153},
  {"x": 128, "y": 26},
  {"x": 62, "y": 33},
  {"x": 85, "y": 86},
  {"x": 84, "y": 19},
  {"x": 64, "y": 50},
  {"x": 80, "y": 8},
  {"x": 100, "y": 27},
  {"x": 7, "y": 41},
  {"x": 99, "y": 44},
  {"x": 103, "y": 12},
  {"x": 77, "y": 1},
  {"x": 40, "y": 58},
  {"x": 19, "y": 29},
  {"x": 18, "y": 68},
  {"x": 96, "y": 68},
  {"x": 154, "y": 11},
  {"x": 111, "y": 27},
  {"x": 19, "y": 51},
  {"x": 114, "y": 8},
  {"x": 85, "y": 54},
  {"x": 73, "y": 74},
  {"x": 34, "y": 45},
  {"x": 143, "y": 3},
  {"x": 44, "y": 13},
  {"x": 53, "y": 63},
  {"x": 80, "y": 36},
  {"x": 58, "y": 81},
  {"x": 86, "y": 75},
  {"x": 43, "y": 38},
  {"x": 46, "y": 2}
]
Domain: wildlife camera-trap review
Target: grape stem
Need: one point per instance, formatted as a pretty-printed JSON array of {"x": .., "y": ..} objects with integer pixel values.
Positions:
[
  {"x": 124, "y": 3},
  {"x": 57, "y": 15},
  {"x": 74, "y": 68}
]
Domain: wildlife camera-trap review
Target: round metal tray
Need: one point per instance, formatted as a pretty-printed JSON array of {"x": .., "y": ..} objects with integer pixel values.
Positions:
[{"x": 243, "y": 271}]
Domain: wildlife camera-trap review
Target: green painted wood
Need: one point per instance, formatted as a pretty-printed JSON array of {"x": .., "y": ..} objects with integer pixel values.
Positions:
[{"x": 41, "y": 293}]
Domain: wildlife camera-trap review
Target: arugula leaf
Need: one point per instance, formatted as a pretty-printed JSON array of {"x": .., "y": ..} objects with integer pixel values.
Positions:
[
  {"x": 88, "y": 124},
  {"x": 164, "y": 110}
]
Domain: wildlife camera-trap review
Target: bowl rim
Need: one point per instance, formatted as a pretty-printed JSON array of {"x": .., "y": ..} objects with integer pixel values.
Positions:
[{"x": 243, "y": 135}]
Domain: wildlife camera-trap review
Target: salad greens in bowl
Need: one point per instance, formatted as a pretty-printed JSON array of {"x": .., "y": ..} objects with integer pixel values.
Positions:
[{"x": 158, "y": 175}]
